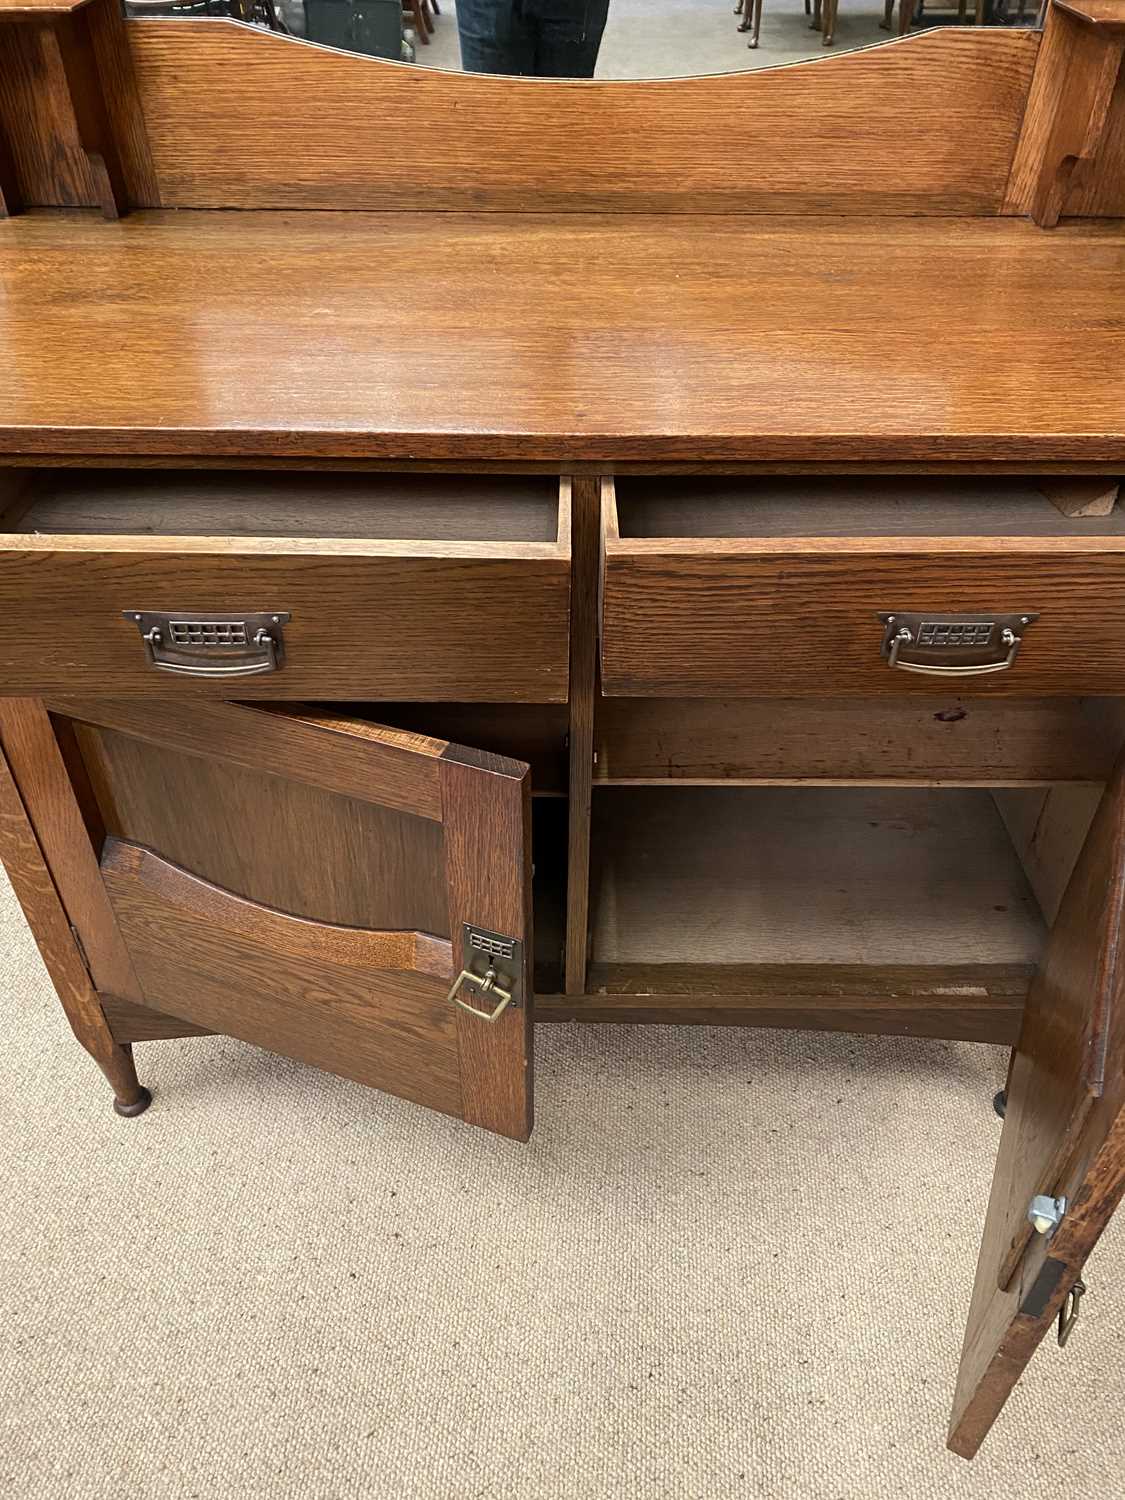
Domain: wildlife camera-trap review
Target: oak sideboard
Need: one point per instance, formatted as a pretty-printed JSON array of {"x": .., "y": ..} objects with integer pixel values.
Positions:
[{"x": 677, "y": 578}]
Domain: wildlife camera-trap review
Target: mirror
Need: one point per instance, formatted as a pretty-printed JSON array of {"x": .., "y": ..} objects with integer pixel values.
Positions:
[{"x": 624, "y": 39}]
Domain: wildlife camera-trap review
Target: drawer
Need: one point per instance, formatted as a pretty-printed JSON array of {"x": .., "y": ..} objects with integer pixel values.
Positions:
[
  {"x": 744, "y": 588},
  {"x": 395, "y": 586}
]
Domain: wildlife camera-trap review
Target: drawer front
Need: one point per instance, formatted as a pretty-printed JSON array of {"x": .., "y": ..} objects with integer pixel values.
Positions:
[
  {"x": 736, "y": 618},
  {"x": 420, "y": 621}
]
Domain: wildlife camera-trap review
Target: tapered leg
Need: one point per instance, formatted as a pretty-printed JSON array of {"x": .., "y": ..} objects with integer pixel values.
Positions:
[
  {"x": 36, "y": 893},
  {"x": 45, "y": 847},
  {"x": 888, "y": 15}
]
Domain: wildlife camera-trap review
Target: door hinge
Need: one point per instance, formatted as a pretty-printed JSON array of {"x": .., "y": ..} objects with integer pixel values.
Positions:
[
  {"x": 81, "y": 946},
  {"x": 1068, "y": 1312}
]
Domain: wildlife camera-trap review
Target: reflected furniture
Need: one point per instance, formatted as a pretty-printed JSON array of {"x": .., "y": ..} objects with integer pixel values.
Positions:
[{"x": 596, "y": 644}]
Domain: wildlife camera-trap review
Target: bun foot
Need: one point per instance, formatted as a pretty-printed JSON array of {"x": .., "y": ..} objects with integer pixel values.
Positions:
[
  {"x": 128, "y": 1111},
  {"x": 1000, "y": 1103}
]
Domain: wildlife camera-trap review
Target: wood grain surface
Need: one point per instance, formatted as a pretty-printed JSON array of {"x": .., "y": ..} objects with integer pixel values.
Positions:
[
  {"x": 583, "y": 708},
  {"x": 486, "y": 820},
  {"x": 213, "y": 959},
  {"x": 336, "y": 752},
  {"x": 57, "y": 941},
  {"x": 563, "y": 337},
  {"x": 929, "y": 741},
  {"x": 137, "y": 1023},
  {"x": 275, "y": 841},
  {"x": 753, "y": 617},
  {"x": 1064, "y": 1132},
  {"x": 369, "y": 620},
  {"x": 965, "y": 1002},
  {"x": 1068, "y": 115},
  {"x": 282, "y": 932},
  {"x": 804, "y": 875},
  {"x": 38, "y": 10},
  {"x": 37, "y": 121},
  {"x": 892, "y": 129}
]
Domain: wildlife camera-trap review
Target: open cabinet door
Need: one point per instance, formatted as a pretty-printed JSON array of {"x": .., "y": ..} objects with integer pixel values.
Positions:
[
  {"x": 306, "y": 881},
  {"x": 1064, "y": 1132}
]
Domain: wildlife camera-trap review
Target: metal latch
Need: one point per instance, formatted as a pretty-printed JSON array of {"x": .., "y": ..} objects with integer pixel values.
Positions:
[
  {"x": 492, "y": 965},
  {"x": 952, "y": 645},
  {"x": 1046, "y": 1213},
  {"x": 1068, "y": 1312},
  {"x": 212, "y": 645}
]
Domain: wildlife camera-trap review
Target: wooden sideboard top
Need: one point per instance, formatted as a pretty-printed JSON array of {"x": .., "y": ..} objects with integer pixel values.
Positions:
[{"x": 562, "y": 339}]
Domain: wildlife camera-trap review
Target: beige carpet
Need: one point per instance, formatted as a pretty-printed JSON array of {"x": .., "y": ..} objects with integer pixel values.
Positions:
[{"x": 729, "y": 1264}]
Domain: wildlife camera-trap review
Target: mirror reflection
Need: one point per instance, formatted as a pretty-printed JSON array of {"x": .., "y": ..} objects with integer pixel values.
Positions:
[{"x": 625, "y": 39}]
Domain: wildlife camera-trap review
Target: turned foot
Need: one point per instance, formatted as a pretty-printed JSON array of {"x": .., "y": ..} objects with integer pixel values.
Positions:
[
  {"x": 1000, "y": 1103},
  {"x": 138, "y": 1106}
]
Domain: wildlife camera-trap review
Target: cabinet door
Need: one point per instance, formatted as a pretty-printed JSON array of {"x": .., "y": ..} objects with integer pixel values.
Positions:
[
  {"x": 1064, "y": 1132},
  {"x": 313, "y": 883}
]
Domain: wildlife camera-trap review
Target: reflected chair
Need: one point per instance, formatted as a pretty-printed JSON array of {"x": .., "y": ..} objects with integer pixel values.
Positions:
[
  {"x": 420, "y": 14},
  {"x": 751, "y": 13}
]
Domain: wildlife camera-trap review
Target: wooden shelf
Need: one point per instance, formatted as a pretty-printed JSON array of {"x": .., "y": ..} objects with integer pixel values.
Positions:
[
  {"x": 810, "y": 875},
  {"x": 890, "y": 909}
]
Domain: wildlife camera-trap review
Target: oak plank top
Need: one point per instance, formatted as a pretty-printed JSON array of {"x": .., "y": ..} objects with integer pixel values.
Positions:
[
  {"x": 38, "y": 10},
  {"x": 562, "y": 338}
]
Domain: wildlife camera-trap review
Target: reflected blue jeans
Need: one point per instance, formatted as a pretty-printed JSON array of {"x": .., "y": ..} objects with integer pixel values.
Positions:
[{"x": 541, "y": 38}]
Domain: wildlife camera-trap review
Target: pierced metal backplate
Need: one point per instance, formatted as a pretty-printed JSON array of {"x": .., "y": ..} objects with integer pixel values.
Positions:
[
  {"x": 482, "y": 950},
  {"x": 952, "y": 645},
  {"x": 212, "y": 645},
  {"x": 491, "y": 970}
]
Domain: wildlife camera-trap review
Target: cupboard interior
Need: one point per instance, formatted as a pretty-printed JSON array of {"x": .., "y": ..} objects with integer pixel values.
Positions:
[
  {"x": 851, "y": 875},
  {"x": 767, "y": 846},
  {"x": 305, "y": 504},
  {"x": 917, "y": 505}
]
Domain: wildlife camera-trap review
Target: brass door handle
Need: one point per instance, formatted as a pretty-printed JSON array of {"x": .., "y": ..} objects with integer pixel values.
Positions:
[{"x": 485, "y": 985}]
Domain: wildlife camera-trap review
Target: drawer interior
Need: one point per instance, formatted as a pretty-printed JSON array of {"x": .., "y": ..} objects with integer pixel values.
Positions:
[
  {"x": 652, "y": 507},
  {"x": 238, "y": 503}
]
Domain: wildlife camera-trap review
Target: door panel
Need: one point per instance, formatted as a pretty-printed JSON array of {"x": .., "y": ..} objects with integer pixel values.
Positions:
[
  {"x": 274, "y": 840},
  {"x": 358, "y": 1003},
  {"x": 293, "y": 879},
  {"x": 1064, "y": 1132}
]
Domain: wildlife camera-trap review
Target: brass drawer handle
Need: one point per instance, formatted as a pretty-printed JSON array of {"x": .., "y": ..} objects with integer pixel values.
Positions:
[
  {"x": 953, "y": 645},
  {"x": 195, "y": 645}
]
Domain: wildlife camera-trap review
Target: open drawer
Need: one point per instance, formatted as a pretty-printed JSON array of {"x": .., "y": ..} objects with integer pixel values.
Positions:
[
  {"x": 285, "y": 585},
  {"x": 741, "y": 587}
]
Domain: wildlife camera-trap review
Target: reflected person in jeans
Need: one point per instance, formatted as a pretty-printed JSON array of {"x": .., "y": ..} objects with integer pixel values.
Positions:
[{"x": 541, "y": 38}]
